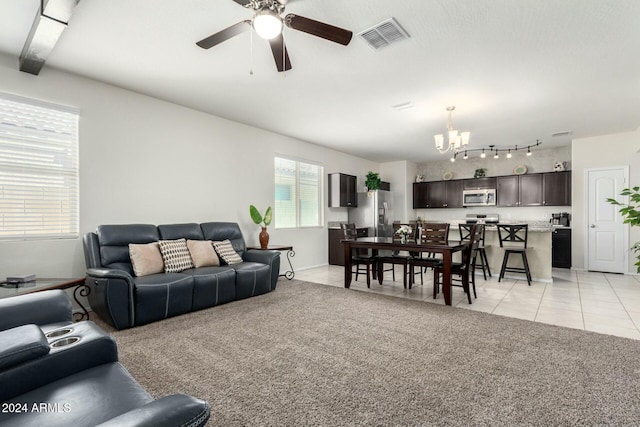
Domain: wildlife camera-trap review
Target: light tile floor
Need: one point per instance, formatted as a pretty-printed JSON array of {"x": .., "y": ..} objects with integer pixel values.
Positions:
[{"x": 599, "y": 302}]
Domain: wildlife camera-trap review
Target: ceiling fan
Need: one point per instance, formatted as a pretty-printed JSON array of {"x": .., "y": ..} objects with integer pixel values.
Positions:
[{"x": 268, "y": 23}]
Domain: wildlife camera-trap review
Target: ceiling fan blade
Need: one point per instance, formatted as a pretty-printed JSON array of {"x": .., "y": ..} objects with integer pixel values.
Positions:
[
  {"x": 225, "y": 34},
  {"x": 277, "y": 47},
  {"x": 318, "y": 29}
]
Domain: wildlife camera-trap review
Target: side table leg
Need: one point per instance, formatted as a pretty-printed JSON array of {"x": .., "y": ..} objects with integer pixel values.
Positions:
[
  {"x": 290, "y": 274},
  {"x": 82, "y": 290}
]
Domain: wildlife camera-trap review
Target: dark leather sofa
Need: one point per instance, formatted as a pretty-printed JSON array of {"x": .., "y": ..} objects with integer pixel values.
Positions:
[
  {"x": 124, "y": 300},
  {"x": 57, "y": 373}
]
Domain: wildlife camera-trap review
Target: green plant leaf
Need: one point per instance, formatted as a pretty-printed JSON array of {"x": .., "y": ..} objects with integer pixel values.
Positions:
[
  {"x": 267, "y": 216},
  {"x": 255, "y": 214}
]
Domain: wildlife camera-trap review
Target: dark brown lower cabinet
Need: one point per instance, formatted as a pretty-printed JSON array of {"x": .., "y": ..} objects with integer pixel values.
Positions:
[
  {"x": 561, "y": 248},
  {"x": 336, "y": 252}
]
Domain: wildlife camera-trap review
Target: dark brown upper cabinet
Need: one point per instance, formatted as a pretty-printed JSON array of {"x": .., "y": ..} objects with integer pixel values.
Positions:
[
  {"x": 342, "y": 191},
  {"x": 420, "y": 195},
  {"x": 480, "y": 183},
  {"x": 556, "y": 187},
  {"x": 519, "y": 190}
]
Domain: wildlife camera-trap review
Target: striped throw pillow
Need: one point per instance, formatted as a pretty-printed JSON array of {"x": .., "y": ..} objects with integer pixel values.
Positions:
[
  {"x": 175, "y": 255},
  {"x": 226, "y": 252}
]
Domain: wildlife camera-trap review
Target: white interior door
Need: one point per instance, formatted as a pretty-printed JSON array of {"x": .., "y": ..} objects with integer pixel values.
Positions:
[{"x": 607, "y": 244}]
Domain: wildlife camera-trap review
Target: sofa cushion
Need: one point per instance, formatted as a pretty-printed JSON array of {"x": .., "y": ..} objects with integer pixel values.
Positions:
[
  {"x": 162, "y": 295},
  {"x": 218, "y": 231},
  {"x": 202, "y": 253},
  {"x": 176, "y": 231},
  {"x": 252, "y": 279},
  {"x": 114, "y": 243},
  {"x": 146, "y": 258},
  {"x": 212, "y": 286},
  {"x": 226, "y": 252},
  {"x": 175, "y": 255}
]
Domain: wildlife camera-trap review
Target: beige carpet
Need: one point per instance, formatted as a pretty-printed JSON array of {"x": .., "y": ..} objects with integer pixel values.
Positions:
[{"x": 309, "y": 354}]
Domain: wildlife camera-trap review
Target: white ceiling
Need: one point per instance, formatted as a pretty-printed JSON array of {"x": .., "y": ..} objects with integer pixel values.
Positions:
[{"x": 517, "y": 71}]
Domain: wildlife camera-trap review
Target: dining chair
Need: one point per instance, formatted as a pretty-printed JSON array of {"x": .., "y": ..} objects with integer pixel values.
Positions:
[
  {"x": 398, "y": 257},
  {"x": 360, "y": 260},
  {"x": 464, "y": 269},
  {"x": 465, "y": 232},
  {"x": 513, "y": 238},
  {"x": 433, "y": 233}
]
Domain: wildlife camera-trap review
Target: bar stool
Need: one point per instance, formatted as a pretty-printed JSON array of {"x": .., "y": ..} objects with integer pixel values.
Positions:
[
  {"x": 515, "y": 235},
  {"x": 465, "y": 234}
]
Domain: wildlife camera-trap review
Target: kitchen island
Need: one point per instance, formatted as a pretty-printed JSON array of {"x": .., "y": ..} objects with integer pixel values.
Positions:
[{"x": 538, "y": 251}]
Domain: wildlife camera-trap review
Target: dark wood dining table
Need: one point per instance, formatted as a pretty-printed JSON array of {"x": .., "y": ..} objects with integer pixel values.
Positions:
[{"x": 388, "y": 243}]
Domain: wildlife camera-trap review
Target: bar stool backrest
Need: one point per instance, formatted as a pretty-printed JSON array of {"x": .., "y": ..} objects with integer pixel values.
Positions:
[{"x": 513, "y": 234}]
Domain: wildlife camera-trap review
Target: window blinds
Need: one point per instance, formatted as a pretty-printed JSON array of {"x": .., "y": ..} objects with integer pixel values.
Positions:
[
  {"x": 298, "y": 194},
  {"x": 38, "y": 170}
]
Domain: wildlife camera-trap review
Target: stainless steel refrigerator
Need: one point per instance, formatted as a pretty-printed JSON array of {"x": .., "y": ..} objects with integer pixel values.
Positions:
[{"x": 374, "y": 211}]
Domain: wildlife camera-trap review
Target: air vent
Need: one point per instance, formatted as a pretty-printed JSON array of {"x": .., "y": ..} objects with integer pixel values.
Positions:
[
  {"x": 383, "y": 34},
  {"x": 565, "y": 133}
]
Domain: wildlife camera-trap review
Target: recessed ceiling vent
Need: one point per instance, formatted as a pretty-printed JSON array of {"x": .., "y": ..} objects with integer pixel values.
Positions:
[
  {"x": 383, "y": 34},
  {"x": 564, "y": 133}
]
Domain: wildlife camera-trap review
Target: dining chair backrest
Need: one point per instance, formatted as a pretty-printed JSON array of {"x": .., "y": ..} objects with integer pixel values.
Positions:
[
  {"x": 469, "y": 253},
  {"x": 513, "y": 234},
  {"x": 435, "y": 233},
  {"x": 465, "y": 232},
  {"x": 349, "y": 231}
]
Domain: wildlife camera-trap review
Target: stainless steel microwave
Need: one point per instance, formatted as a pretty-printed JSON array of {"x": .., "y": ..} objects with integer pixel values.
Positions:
[{"x": 484, "y": 197}]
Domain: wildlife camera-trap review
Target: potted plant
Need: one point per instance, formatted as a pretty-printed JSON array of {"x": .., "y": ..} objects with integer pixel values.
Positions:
[
  {"x": 631, "y": 213},
  {"x": 479, "y": 173},
  {"x": 262, "y": 221},
  {"x": 404, "y": 231},
  {"x": 373, "y": 181}
]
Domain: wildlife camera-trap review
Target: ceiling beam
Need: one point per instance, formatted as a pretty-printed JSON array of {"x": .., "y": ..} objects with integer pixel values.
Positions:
[{"x": 51, "y": 20}]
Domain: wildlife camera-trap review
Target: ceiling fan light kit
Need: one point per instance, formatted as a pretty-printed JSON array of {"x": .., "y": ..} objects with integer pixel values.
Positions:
[{"x": 269, "y": 23}]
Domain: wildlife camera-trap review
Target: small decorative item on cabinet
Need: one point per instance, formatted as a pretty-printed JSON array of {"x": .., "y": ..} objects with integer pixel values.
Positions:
[
  {"x": 419, "y": 178},
  {"x": 479, "y": 173},
  {"x": 373, "y": 181}
]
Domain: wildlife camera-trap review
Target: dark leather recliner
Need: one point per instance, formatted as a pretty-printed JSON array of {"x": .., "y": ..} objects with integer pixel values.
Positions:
[
  {"x": 58, "y": 373},
  {"x": 124, "y": 300}
]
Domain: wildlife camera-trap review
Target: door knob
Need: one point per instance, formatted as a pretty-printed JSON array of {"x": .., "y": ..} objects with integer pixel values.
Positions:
[{"x": 593, "y": 226}]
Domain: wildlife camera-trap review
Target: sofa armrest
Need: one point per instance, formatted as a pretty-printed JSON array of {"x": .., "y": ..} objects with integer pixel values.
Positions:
[
  {"x": 21, "y": 344},
  {"x": 111, "y": 296},
  {"x": 263, "y": 257},
  {"x": 271, "y": 258},
  {"x": 109, "y": 273},
  {"x": 40, "y": 308},
  {"x": 168, "y": 411}
]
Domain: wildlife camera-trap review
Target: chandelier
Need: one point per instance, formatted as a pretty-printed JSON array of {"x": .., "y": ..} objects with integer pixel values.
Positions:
[{"x": 457, "y": 140}]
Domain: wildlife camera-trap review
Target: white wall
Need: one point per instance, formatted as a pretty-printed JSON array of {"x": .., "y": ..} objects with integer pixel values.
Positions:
[
  {"x": 143, "y": 160},
  {"x": 619, "y": 149}
]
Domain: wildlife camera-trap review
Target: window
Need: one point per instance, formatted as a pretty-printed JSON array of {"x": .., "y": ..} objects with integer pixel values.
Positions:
[
  {"x": 298, "y": 194},
  {"x": 38, "y": 170}
]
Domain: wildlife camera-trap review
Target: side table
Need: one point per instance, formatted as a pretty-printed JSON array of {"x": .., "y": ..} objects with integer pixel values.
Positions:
[
  {"x": 290, "y": 253},
  {"x": 81, "y": 289}
]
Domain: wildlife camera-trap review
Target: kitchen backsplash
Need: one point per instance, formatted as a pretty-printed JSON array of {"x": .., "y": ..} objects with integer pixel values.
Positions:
[{"x": 542, "y": 160}]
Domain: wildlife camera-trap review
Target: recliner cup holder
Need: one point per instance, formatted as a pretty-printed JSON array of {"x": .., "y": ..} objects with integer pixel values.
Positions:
[
  {"x": 65, "y": 342},
  {"x": 58, "y": 333}
]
